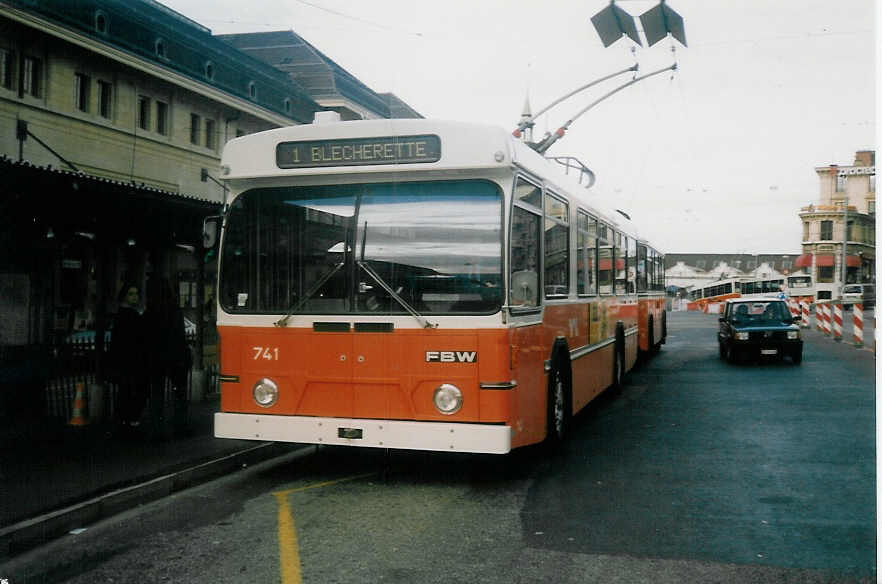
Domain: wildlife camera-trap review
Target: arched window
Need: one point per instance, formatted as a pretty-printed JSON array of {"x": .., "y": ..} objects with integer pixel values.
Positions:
[{"x": 100, "y": 22}]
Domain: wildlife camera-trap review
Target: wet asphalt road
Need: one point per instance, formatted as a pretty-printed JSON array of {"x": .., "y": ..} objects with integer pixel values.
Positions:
[{"x": 698, "y": 471}]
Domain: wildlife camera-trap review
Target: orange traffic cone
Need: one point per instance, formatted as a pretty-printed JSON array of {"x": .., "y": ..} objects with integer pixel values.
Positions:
[{"x": 79, "y": 406}]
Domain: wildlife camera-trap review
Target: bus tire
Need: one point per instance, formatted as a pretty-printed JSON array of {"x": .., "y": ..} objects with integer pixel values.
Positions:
[
  {"x": 664, "y": 338},
  {"x": 560, "y": 404}
]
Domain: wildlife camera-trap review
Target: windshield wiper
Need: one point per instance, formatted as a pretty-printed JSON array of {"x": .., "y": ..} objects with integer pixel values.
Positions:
[
  {"x": 379, "y": 280},
  {"x": 309, "y": 294}
]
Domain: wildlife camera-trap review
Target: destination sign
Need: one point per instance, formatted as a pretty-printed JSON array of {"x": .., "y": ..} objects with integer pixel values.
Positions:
[{"x": 359, "y": 151}]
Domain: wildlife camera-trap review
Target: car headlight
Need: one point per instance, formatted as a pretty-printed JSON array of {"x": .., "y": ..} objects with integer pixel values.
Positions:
[
  {"x": 742, "y": 336},
  {"x": 792, "y": 334},
  {"x": 265, "y": 392},
  {"x": 447, "y": 398}
]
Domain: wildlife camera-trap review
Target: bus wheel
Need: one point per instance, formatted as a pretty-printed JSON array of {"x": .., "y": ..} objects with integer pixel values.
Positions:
[
  {"x": 560, "y": 409},
  {"x": 664, "y": 338}
]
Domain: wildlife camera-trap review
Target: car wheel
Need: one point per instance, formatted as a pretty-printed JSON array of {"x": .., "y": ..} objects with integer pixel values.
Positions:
[
  {"x": 731, "y": 354},
  {"x": 722, "y": 350}
]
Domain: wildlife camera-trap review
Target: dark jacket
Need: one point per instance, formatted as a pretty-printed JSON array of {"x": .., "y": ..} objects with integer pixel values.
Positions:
[
  {"x": 125, "y": 354},
  {"x": 166, "y": 352}
]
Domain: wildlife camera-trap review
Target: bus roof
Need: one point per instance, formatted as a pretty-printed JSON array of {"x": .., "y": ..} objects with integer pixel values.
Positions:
[{"x": 329, "y": 147}]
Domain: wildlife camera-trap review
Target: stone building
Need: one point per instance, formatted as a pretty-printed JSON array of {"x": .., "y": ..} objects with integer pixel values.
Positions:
[
  {"x": 113, "y": 116},
  {"x": 839, "y": 230}
]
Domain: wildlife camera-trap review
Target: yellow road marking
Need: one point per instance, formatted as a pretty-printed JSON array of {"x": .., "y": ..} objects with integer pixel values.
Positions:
[{"x": 289, "y": 552}]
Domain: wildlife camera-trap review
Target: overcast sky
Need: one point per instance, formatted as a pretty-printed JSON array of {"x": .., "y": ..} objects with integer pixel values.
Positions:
[{"x": 718, "y": 157}]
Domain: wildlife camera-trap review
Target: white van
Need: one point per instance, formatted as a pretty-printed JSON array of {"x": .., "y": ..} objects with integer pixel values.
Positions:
[{"x": 863, "y": 293}]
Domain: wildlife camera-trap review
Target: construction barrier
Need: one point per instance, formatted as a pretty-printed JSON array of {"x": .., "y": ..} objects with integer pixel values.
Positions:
[
  {"x": 825, "y": 312},
  {"x": 804, "y": 306},
  {"x": 858, "y": 316},
  {"x": 837, "y": 321},
  {"x": 79, "y": 406}
]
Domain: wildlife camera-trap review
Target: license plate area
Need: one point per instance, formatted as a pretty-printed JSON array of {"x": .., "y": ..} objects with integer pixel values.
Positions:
[
  {"x": 768, "y": 351},
  {"x": 350, "y": 433}
]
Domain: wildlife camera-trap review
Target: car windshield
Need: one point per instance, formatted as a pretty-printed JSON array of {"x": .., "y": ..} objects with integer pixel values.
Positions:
[
  {"x": 760, "y": 313},
  {"x": 385, "y": 248}
]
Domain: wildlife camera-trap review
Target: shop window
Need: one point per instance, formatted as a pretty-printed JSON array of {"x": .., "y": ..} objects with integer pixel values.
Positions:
[
  {"x": 162, "y": 118},
  {"x": 32, "y": 80},
  {"x": 82, "y": 86},
  {"x": 100, "y": 22},
  {"x": 210, "y": 135},
  {"x": 105, "y": 96},
  {"x": 195, "y": 128},
  {"x": 144, "y": 112},
  {"x": 6, "y": 68}
]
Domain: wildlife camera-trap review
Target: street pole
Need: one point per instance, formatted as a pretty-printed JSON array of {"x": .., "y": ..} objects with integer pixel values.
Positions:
[{"x": 844, "y": 246}]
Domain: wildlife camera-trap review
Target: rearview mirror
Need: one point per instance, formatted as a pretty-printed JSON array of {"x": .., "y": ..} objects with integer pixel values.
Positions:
[{"x": 210, "y": 230}]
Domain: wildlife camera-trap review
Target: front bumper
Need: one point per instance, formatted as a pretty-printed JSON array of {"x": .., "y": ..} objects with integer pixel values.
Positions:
[
  {"x": 403, "y": 434},
  {"x": 767, "y": 348}
]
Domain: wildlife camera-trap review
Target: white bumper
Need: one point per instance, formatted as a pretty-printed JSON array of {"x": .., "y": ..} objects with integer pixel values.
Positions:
[{"x": 408, "y": 435}]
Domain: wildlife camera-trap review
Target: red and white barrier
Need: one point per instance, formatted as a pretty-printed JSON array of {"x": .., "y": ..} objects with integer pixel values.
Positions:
[
  {"x": 825, "y": 312},
  {"x": 858, "y": 316},
  {"x": 837, "y": 321},
  {"x": 804, "y": 323}
]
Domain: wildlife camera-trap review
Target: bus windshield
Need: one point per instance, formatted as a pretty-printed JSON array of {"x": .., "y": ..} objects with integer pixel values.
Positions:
[{"x": 345, "y": 249}]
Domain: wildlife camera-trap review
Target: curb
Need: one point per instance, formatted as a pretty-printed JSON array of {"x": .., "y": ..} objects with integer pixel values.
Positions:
[{"x": 29, "y": 533}]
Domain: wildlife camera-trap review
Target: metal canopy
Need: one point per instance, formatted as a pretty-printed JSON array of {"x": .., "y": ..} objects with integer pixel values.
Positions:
[
  {"x": 612, "y": 23},
  {"x": 659, "y": 21}
]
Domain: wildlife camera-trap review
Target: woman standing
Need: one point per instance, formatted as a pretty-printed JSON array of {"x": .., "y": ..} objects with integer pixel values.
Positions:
[{"x": 125, "y": 357}]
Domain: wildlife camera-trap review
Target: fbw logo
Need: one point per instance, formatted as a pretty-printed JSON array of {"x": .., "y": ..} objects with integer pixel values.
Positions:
[{"x": 451, "y": 356}]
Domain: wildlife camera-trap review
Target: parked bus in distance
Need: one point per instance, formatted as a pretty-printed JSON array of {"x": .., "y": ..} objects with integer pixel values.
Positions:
[
  {"x": 419, "y": 284},
  {"x": 739, "y": 287}
]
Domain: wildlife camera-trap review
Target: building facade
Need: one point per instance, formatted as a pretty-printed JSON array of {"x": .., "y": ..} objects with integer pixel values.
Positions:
[
  {"x": 839, "y": 231},
  {"x": 113, "y": 116}
]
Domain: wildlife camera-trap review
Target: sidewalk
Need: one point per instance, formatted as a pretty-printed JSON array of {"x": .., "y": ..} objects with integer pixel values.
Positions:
[{"x": 54, "y": 478}]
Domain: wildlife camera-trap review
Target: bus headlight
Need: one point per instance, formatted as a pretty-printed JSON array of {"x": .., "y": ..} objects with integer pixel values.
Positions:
[
  {"x": 265, "y": 392},
  {"x": 447, "y": 398}
]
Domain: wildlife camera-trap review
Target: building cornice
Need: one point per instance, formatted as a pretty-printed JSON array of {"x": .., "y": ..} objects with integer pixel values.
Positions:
[{"x": 139, "y": 64}]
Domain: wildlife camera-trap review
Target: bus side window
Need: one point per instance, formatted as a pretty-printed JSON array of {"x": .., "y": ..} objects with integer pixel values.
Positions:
[{"x": 525, "y": 234}]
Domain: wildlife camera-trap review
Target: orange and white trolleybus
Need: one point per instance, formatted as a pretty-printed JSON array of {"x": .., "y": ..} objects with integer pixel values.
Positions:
[{"x": 419, "y": 284}]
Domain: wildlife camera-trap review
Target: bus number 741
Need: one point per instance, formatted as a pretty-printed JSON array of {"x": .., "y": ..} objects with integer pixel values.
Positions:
[{"x": 268, "y": 353}]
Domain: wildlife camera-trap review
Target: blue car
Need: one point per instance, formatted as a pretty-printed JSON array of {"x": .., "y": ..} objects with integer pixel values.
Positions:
[{"x": 759, "y": 328}]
